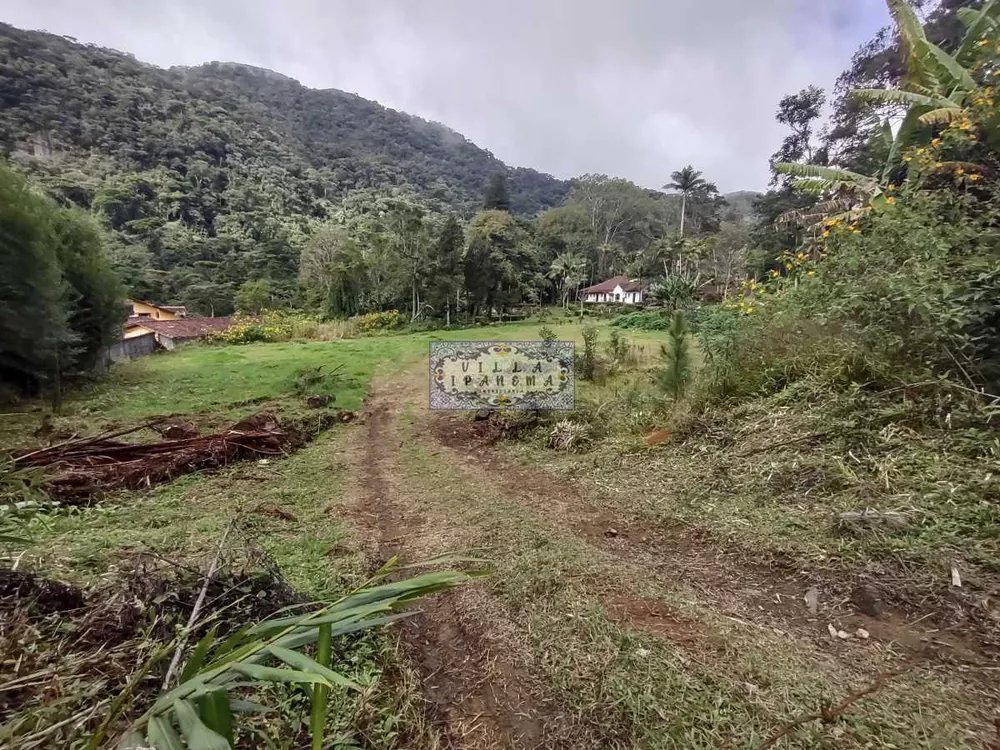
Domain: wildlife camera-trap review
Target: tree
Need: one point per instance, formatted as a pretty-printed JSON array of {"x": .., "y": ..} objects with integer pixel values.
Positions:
[
  {"x": 623, "y": 218},
  {"x": 208, "y": 298},
  {"x": 799, "y": 112},
  {"x": 218, "y": 164},
  {"x": 689, "y": 182},
  {"x": 570, "y": 269},
  {"x": 880, "y": 62},
  {"x": 447, "y": 267},
  {"x": 407, "y": 235},
  {"x": 937, "y": 87},
  {"x": 92, "y": 293},
  {"x": 491, "y": 275},
  {"x": 332, "y": 272},
  {"x": 60, "y": 301},
  {"x": 34, "y": 323},
  {"x": 253, "y": 296},
  {"x": 497, "y": 196}
]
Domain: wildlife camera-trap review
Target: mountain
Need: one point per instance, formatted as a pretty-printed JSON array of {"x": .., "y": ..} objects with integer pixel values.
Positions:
[
  {"x": 60, "y": 98},
  {"x": 740, "y": 205},
  {"x": 215, "y": 173}
]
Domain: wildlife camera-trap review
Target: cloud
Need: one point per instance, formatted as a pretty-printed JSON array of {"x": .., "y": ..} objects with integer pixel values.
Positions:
[{"x": 635, "y": 88}]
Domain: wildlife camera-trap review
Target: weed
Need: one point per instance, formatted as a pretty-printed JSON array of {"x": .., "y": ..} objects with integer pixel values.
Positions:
[{"x": 547, "y": 335}]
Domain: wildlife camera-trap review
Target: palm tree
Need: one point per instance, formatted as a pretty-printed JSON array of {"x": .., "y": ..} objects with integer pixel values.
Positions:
[
  {"x": 570, "y": 268},
  {"x": 687, "y": 182}
]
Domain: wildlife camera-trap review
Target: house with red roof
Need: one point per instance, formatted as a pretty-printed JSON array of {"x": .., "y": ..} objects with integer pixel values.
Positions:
[
  {"x": 170, "y": 333},
  {"x": 620, "y": 289}
]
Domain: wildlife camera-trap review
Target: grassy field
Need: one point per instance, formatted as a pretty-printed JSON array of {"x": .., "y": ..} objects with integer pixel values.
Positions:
[
  {"x": 229, "y": 382},
  {"x": 640, "y": 597}
]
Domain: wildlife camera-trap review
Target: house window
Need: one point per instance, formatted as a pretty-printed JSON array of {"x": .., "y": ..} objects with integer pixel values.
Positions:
[
  {"x": 617, "y": 297},
  {"x": 143, "y": 315}
]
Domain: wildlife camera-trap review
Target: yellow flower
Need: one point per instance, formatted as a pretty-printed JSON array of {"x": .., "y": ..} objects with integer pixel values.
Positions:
[
  {"x": 974, "y": 177},
  {"x": 810, "y": 273},
  {"x": 936, "y": 142},
  {"x": 773, "y": 273},
  {"x": 959, "y": 171},
  {"x": 907, "y": 158},
  {"x": 982, "y": 43},
  {"x": 826, "y": 233},
  {"x": 890, "y": 200}
]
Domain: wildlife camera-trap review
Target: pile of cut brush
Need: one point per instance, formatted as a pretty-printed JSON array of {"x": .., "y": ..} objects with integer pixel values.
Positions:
[{"x": 81, "y": 469}]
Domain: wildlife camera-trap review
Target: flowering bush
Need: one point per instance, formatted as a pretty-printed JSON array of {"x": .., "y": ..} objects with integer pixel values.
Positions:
[
  {"x": 248, "y": 330},
  {"x": 282, "y": 325},
  {"x": 384, "y": 320}
]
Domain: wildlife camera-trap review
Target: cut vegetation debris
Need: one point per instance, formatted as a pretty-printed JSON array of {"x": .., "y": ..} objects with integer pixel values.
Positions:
[{"x": 82, "y": 469}]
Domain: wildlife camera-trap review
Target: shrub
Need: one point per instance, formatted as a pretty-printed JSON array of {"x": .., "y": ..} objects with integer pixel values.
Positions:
[
  {"x": 547, "y": 335},
  {"x": 283, "y": 325},
  {"x": 716, "y": 327},
  {"x": 619, "y": 351},
  {"x": 384, "y": 320},
  {"x": 642, "y": 321},
  {"x": 908, "y": 295},
  {"x": 674, "y": 292},
  {"x": 317, "y": 381},
  {"x": 567, "y": 435},
  {"x": 251, "y": 330}
]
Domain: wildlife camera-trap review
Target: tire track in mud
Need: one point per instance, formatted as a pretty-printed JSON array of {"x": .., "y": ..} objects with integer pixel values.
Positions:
[{"x": 475, "y": 697}]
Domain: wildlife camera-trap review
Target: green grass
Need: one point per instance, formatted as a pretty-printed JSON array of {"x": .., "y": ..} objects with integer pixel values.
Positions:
[
  {"x": 184, "y": 520},
  {"x": 230, "y": 382}
]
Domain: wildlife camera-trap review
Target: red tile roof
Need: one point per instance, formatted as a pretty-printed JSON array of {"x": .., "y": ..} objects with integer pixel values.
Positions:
[
  {"x": 183, "y": 328},
  {"x": 604, "y": 287}
]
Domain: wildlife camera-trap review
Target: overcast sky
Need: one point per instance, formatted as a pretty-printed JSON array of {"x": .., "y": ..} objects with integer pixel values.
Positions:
[{"x": 633, "y": 88}]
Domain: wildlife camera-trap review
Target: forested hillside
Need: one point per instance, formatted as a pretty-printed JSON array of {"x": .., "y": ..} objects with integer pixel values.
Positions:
[{"x": 212, "y": 175}]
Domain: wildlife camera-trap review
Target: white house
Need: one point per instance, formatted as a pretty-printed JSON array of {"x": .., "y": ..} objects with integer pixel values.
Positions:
[{"x": 620, "y": 289}]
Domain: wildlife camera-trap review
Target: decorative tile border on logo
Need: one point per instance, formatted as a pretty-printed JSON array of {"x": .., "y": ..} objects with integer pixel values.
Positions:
[{"x": 517, "y": 375}]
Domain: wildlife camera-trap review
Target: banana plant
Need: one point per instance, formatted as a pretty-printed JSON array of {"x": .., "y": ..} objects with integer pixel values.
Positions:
[
  {"x": 936, "y": 89},
  {"x": 198, "y": 713},
  {"x": 937, "y": 86}
]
